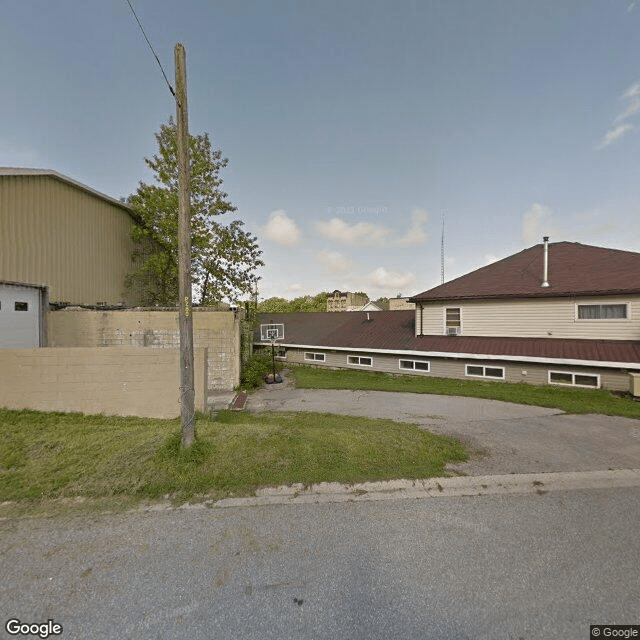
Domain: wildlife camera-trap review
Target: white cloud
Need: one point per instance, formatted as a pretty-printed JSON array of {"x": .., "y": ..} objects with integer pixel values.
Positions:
[
  {"x": 360, "y": 233},
  {"x": 536, "y": 223},
  {"x": 489, "y": 258},
  {"x": 282, "y": 229},
  {"x": 416, "y": 233},
  {"x": 632, "y": 99},
  {"x": 384, "y": 279},
  {"x": 588, "y": 227},
  {"x": 593, "y": 225},
  {"x": 295, "y": 288},
  {"x": 614, "y": 134},
  {"x": 334, "y": 262}
]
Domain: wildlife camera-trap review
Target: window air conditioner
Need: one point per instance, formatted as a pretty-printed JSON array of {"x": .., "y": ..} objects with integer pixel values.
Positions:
[{"x": 453, "y": 331}]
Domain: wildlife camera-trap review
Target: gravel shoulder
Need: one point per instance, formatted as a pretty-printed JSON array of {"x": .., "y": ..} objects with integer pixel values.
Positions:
[{"x": 506, "y": 438}]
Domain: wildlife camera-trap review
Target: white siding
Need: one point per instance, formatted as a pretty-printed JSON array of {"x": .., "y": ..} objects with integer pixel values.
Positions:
[{"x": 548, "y": 318}]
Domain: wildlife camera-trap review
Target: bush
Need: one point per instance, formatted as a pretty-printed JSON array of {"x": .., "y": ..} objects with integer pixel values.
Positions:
[{"x": 256, "y": 368}]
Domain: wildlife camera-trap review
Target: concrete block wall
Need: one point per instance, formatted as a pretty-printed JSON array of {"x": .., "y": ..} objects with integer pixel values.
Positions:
[
  {"x": 217, "y": 331},
  {"x": 109, "y": 380}
]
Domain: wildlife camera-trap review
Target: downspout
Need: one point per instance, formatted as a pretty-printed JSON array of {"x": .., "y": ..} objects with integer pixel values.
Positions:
[{"x": 421, "y": 311}]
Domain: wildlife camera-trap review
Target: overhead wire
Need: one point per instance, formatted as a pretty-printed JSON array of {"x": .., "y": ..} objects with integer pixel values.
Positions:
[{"x": 173, "y": 93}]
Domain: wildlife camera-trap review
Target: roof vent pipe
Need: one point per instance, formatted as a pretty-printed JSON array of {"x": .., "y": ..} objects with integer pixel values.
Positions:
[{"x": 545, "y": 275}]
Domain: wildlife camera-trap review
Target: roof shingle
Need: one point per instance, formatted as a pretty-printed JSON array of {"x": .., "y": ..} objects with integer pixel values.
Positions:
[
  {"x": 574, "y": 269},
  {"x": 395, "y": 331}
]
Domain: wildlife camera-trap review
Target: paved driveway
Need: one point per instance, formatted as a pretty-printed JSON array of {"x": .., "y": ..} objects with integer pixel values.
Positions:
[{"x": 507, "y": 438}]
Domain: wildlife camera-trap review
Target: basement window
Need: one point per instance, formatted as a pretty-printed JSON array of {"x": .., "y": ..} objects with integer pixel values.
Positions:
[
  {"x": 573, "y": 379},
  {"x": 414, "y": 365},
  {"x": 319, "y": 357},
  {"x": 21, "y": 306},
  {"x": 281, "y": 354},
  {"x": 482, "y": 371},
  {"x": 360, "y": 361},
  {"x": 602, "y": 312}
]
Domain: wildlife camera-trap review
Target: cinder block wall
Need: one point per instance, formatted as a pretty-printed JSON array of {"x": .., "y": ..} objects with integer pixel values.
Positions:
[
  {"x": 110, "y": 380},
  {"x": 217, "y": 331}
]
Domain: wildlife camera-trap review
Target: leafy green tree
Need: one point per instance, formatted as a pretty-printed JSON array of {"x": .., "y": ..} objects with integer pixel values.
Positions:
[
  {"x": 224, "y": 257},
  {"x": 273, "y": 305},
  {"x": 307, "y": 304}
]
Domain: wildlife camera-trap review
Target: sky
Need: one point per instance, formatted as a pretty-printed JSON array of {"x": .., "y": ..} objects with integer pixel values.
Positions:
[{"x": 352, "y": 128}]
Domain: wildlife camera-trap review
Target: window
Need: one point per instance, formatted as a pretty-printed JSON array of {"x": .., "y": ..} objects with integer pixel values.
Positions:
[
  {"x": 414, "y": 365},
  {"x": 602, "y": 311},
  {"x": 482, "y": 371},
  {"x": 281, "y": 353},
  {"x": 21, "y": 306},
  {"x": 360, "y": 361},
  {"x": 452, "y": 323},
  {"x": 574, "y": 379},
  {"x": 319, "y": 357}
]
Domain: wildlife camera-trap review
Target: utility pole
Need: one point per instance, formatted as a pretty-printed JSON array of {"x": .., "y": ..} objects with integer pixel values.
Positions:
[{"x": 187, "y": 391}]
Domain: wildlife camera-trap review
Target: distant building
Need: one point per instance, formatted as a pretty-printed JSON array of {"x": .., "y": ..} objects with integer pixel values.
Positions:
[
  {"x": 400, "y": 304},
  {"x": 370, "y": 306},
  {"x": 345, "y": 301}
]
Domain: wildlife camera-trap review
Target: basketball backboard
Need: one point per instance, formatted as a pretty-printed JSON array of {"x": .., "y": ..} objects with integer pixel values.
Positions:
[{"x": 271, "y": 332}]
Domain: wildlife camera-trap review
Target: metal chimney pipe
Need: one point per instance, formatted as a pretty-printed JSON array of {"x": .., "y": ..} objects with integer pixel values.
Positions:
[{"x": 545, "y": 275}]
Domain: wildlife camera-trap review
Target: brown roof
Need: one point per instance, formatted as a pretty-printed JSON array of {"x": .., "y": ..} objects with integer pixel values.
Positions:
[
  {"x": 395, "y": 331},
  {"x": 574, "y": 269}
]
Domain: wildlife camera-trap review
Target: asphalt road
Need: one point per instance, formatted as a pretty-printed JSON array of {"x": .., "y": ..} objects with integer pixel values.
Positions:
[
  {"x": 539, "y": 565},
  {"x": 483, "y": 568},
  {"x": 512, "y": 438}
]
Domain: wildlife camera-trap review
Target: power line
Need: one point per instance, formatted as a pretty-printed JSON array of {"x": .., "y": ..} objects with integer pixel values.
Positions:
[{"x": 173, "y": 93}]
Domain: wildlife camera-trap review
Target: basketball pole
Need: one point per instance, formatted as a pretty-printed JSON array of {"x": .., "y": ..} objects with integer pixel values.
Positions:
[{"x": 273, "y": 359}]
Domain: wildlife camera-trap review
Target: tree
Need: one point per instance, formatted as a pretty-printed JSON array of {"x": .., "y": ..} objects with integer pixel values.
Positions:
[
  {"x": 274, "y": 305},
  {"x": 224, "y": 258},
  {"x": 306, "y": 304}
]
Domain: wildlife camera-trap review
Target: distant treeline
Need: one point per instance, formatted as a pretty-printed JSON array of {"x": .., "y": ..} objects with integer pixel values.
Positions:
[{"x": 307, "y": 304}]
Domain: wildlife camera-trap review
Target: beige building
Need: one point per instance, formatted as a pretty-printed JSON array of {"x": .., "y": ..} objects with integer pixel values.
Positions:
[
  {"x": 60, "y": 242},
  {"x": 400, "y": 304},
  {"x": 563, "y": 314},
  {"x": 345, "y": 301}
]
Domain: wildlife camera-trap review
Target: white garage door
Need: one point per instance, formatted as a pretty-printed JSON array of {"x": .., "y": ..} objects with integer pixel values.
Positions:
[{"x": 19, "y": 316}]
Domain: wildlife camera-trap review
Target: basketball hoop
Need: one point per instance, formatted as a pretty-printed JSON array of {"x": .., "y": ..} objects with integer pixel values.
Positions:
[{"x": 272, "y": 333}]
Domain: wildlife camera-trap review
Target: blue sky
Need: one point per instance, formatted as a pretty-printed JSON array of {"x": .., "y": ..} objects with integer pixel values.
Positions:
[{"x": 350, "y": 127}]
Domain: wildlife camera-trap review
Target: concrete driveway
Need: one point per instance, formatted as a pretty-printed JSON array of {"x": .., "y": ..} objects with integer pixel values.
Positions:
[{"x": 507, "y": 438}]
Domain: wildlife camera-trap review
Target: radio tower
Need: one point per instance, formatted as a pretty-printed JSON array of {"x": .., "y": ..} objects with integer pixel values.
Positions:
[{"x": 442, "y": 252}]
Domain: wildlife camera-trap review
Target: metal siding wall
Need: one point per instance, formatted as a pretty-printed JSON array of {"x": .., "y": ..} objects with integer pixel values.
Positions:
[{"x": 55, "y": 234}]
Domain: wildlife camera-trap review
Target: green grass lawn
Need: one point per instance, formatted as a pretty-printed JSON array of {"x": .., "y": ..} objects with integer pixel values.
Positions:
[
  {"x": 46, "y": 457},
  {"x": 571, "y": 400}
]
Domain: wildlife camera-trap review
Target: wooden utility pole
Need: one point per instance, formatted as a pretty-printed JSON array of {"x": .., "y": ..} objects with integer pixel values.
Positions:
[{"x": 187, "y": 392}]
